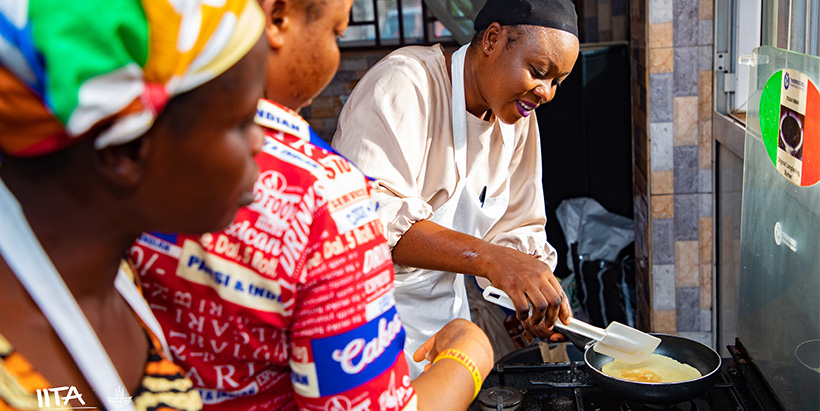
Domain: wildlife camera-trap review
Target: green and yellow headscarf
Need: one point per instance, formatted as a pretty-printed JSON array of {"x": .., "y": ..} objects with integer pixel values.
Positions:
[{"x": 67, "y": 65}]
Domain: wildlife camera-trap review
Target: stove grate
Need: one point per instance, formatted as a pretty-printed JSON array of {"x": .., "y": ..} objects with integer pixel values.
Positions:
[{"x": 567, "y": 387}]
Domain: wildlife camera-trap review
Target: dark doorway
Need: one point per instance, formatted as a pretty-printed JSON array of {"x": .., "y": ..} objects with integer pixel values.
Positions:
[{"x": 586, "y": 143}]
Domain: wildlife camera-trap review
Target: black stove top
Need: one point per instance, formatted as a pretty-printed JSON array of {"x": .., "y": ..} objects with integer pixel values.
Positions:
[{"x": 567, "y": 386}]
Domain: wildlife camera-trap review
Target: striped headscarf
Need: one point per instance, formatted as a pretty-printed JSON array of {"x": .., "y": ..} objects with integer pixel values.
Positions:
[{"x": 65, "y": 66}]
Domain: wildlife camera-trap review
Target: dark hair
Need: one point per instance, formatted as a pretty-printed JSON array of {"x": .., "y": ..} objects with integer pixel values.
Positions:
[
  {"x": 514, "y": 33},
  {"x": 37, "y": 167},
  {"x": 477, "y": 38}
]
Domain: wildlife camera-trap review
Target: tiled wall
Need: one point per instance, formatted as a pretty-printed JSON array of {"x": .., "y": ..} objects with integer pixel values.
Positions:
[
  {"x": 602, "y": 20},
  {"x": 679, "y": 43}
]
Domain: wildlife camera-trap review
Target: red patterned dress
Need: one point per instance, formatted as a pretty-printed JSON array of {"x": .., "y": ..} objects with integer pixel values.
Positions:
[{"x": 291, "y": 305}]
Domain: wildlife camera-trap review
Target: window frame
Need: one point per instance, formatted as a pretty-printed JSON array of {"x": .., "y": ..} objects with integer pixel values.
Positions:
[
  {"x": 742, "y": 25},
  {"x": 378, "y": 43}
]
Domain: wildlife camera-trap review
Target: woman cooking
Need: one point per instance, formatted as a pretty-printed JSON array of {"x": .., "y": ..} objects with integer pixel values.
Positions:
[{"x": 453, "y": 144}]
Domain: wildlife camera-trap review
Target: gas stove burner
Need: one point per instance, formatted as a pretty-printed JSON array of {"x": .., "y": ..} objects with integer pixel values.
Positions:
[
  {"x": 683, "y": 406},
  {"x": 503, "y": 399},
  {"x": 507, "y": 397},
  {"x": 568, "y": 387}
]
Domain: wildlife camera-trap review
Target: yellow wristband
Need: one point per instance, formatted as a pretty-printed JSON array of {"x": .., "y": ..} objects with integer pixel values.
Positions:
[{"x": 466, "y": 361}]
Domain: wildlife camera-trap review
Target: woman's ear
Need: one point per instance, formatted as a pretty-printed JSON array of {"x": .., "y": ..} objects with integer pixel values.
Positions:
[
  {"x": 124, "y": 165},
  {"x": 489, "y": 41},
  {"x": 277, "y": 21}
]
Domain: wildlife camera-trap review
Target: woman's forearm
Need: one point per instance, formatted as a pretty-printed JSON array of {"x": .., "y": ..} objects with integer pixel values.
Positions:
[
  {"x": 450, "y": 384},
  {"x": 443, "y": 387},
  {"x": 431, "y": 246},
  {"x": 526, "y": 279}
]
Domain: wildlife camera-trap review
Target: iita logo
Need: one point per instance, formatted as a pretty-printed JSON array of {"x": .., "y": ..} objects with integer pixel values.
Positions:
[
  {"x": 119, "y": 400},
  {"x": 60, "y": 401},
  {"x": 57, "y": 398}
]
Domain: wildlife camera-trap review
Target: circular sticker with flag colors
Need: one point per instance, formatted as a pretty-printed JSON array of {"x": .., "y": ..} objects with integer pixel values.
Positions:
[{"x": 790, "y": 125}]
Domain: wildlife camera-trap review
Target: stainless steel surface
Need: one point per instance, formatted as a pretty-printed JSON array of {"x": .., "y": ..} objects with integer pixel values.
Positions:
[
  {"x": 779, "y": 286},
  {"x": 727, "y": 244},
  {"x": 729, "y": 132}
]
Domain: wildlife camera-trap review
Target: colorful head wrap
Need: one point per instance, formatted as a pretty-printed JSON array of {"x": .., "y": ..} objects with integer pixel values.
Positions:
[{"x": 65, "y": 66}]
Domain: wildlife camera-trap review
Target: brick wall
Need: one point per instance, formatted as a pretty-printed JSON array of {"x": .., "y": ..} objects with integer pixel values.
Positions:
[{"x": 324, "y": 112}]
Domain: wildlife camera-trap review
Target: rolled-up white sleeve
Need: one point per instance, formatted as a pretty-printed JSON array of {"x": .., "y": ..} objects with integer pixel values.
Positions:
[{"x": 398, "y": 214}]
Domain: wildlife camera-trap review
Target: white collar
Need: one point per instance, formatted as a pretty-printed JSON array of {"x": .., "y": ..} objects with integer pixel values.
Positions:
[{"x": 280, "y": 118}]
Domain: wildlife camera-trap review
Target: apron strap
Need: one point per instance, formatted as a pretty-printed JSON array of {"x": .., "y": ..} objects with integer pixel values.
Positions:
[
  {"x": 459, "y": 114},
  {"x": 30, "y": 263},
  {"x": 129, "y": 292}
]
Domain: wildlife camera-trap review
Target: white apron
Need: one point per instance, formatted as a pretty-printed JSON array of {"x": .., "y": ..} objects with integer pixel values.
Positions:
[
  {"x": 429, "y": 299},
  {"x": 32, "y": 266}
]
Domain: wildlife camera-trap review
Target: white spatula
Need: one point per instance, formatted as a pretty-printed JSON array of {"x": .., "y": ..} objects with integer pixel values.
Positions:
[{"x": 617, "y": 341}]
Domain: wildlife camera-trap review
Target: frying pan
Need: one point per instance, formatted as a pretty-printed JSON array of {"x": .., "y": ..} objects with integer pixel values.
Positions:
[{"x": 684, "y": 350}]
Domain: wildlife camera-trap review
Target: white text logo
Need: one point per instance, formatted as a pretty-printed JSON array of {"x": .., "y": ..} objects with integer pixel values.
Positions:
[
  {"x": 44, "y": 396},
  {"x": 369, "y": 351}
]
